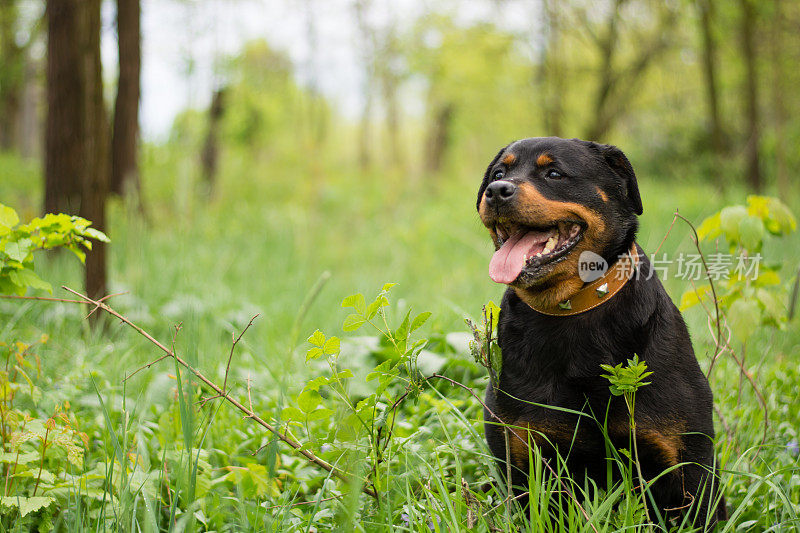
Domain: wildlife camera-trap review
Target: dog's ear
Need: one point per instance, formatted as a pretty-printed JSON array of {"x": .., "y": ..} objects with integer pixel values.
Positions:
[
  {"x": 486, "y": 177},
  {"x": 619, "y": 163}
]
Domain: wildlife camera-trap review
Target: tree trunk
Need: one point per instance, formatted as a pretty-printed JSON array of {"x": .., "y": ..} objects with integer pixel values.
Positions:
[
  {"x": 94, "y": 186},
  {"x": 210, "y": 156},
  {"x": 551, "y": 77},
  {"x": 709, "y": 63},
  {"x": 438, "y": 136},
  {"x": 11, "y": 75},
  {"x": 124, "y": 144},
  {"x": 753, "y": 140},
  {"x": 65, "y": 108},
  {"x": 778, "y": 98}
]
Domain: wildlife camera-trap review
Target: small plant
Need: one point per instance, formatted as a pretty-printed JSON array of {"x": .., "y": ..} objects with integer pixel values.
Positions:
[
  {"x": 625, "y": 381},
  {"x": 484, "y": 347},
  {"x": 753, "y": 294},
  {"x": 19, "y": 241}
]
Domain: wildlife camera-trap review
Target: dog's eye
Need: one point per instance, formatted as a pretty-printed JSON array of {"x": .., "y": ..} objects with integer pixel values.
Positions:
[
  {"x": 554, "y": 174},
  {"x": 498, "y": 174}
]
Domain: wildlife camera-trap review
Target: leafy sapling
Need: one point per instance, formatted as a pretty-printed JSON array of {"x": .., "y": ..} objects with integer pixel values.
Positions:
[
  {"x": 625, "y": 381},
  {"x": 484, "y": 347}
]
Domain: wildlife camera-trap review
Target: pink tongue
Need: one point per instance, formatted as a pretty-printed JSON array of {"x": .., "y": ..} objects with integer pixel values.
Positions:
[{"x": 508, "y": 261}]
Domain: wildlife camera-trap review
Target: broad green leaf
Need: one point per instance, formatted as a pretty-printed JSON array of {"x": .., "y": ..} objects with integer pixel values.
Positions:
[
  {"x": 692, "y": 297},
  {"x": 320, "y": 414},
  {"x": 313, "y": 353},
  {"x": 317, "y": 338},
  {"x": 96, "y": 235},
  {"x": 419, "y": 320},
  {"x": 8, "y": 219},
  {"x": 19, "y": 250},
  {"x": 353, "y": 322},
  {"x": 744, "y": 316},
  {"x": 491, "y": 311},
  {"x": 709, "y": 228},
  {"x": 292, "y": 413},
  {"x": 401, "y": 333},
  {"x": 729, "y": 219},
  {"x": 343, "y": 374},
  {"x": 751, "y": 232},
  {"x": 308, "y": 400},
  {"x": 316, "y": 383},
  {"x": 331, "y": 346},
  {"x": 27, "y": 505},
  {"x": 387, "y": 286},
  {"x": 357, "y": 302},
  {"x": 28, "y": 278}
]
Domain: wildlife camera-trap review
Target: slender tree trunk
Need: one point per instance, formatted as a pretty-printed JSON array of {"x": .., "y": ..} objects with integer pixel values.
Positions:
[
  {"x": 438, "y": 136},
  {"x": 368, "y": 58},
  {"x": 753, "y": 140},
  {"x": 778, "y": 98},
  {"x": 709, "y": 63},
  {"x": 124, "y": 144},
  {"x": 551, "y": 79},
  {"x": 12, "y": 65},
  {"x": 210, "y": 156},
  {"x": 65, "y": 108},
  {"x": 95, "y": 149}
]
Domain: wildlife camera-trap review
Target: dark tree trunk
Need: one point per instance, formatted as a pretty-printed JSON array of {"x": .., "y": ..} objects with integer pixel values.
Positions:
[
  {"x": 551, "y": 77},
  {"x": 438, "y": 136},
  {"x": 709, "y": 63},
  {"x": 12, "y": 71},
  {"x": 124, "y": 144},
  {"x": 779, "y": 99},
  {"x": 65, "y": 107},
  {"x": 94, "y": 186},
  {"x": 209, "y": 158},
  {"x": 753, "y": 139}
]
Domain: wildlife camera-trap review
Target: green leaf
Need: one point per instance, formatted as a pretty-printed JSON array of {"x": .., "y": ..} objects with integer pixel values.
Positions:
[
  {"x": 19, "y": 250},
  {"x": 343, "y": 374},
  {"x": 729, "y": 219},
  {"x": 387, "y": 286},
  {"x": 710, "y": 227},
  {"x": 27, "y": 505},
  {"x": 96, "y": 234},
  {"x": 693, "y": 297},
  {"x": 751, "y": 232},
  {"x": 308, "y": 400},
  {"x": 744, "y": 316},
  {"x": 313, "y": 353},
  {"x": 8, "y": 219},
  {"x": 292, "y": 413},
  {"x": 419, "y": 320},
  {"x": 28, "y": 278},
  {"x": 357, "y": 302},
  {"x": 331, "y": 346},
  {"x": 316, "y": 383},
  {"x": 317, "y": 338},
  {"x": 320, "y": 414},
  {"x": 401, "y": 333},
  {"x": 353, "y": 322}
]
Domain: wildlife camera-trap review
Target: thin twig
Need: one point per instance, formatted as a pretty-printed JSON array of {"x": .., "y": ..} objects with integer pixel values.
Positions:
[
  {"x": 222, "y": 394},
  {"x": 233, "y": 347}
]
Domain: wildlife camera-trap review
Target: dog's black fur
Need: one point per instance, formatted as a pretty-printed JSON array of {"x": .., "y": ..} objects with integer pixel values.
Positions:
[{"x": 555, "y": 360}]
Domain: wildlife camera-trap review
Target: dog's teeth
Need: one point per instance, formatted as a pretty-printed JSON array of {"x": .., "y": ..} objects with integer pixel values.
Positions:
[{"x": 550, "y": 245}]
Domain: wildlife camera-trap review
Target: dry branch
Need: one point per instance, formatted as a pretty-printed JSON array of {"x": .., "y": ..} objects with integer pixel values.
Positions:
[{"x": 249, "y": 413}]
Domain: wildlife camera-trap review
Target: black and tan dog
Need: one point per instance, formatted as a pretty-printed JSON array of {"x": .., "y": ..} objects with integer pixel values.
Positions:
[{"x": 547, "y": 201}]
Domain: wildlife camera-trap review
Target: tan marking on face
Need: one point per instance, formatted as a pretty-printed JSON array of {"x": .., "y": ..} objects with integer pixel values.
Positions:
[
  {"x": 562, "y": 281},
  {"x": 544, "y": 159},
  {"x": 602, "y": 194},
  {"x": 509, "y": 159}
]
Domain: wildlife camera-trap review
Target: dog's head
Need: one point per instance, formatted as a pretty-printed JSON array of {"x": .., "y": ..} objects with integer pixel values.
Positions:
[{"x": 545, "y": 201}]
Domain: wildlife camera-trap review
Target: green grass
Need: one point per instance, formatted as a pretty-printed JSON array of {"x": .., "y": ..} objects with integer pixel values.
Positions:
[{"x": 259, "y": 246}]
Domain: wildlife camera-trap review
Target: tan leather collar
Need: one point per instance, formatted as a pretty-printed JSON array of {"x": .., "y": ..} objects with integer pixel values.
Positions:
[{"x": 598, "y": 291}]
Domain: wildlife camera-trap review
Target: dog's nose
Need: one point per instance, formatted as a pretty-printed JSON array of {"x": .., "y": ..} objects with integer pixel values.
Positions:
[{"x": 499, "y": 192}]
